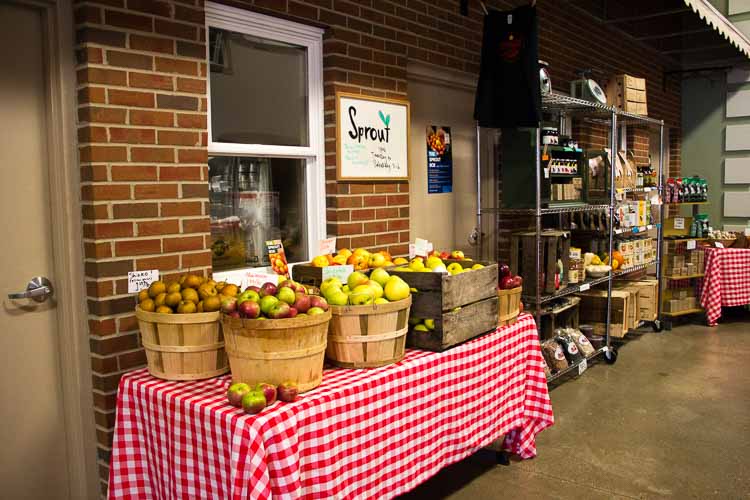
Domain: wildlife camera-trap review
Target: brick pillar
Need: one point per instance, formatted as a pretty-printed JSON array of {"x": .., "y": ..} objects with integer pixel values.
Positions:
[{"x": 142, "y": 144}]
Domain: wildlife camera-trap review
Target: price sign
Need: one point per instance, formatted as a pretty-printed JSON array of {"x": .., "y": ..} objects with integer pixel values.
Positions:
[
  {"x": 327, "y": 246},
  {"x": 258, "y": 277},
  {"x": 679, "y": 223},
  {"x": 691, "y": 244},
  {"x": 140, "y": 280},
  {"x": 340, "y": 272},
  {"x": 412, "y": 251},
  {"x": 584, "y": 287},
  {"x": 582, "y": 367},
  {"x": 421, "y": 247},
  {"x": 719, "y": 244}
]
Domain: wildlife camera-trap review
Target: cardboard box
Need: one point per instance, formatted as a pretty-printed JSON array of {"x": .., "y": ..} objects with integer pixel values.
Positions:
[
  {"x": 628, "y": 93},
  {"x": 648, "y": 295}
]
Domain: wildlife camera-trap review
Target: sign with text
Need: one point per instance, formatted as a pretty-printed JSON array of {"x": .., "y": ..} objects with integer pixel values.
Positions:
[
  {"x": 258, "y": 277},
  {"x": 277, "y": 257},
  {"x": 679, "y": 223},
  {"x": 373, "y": 138},
  {"x": 340, "y": 272},
  {"x": 327, "y": 246},
  {"x": 140, "y": 280},
  {"x": 421, "y": 247},
  {"x": 439, "y": 160}
]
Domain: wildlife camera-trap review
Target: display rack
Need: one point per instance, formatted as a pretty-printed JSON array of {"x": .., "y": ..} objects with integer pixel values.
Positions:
[{"x": 564, "y": 106}]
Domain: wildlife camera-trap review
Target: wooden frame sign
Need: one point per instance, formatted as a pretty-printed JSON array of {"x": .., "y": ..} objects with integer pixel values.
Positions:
[{"x": 372, "y": 138}]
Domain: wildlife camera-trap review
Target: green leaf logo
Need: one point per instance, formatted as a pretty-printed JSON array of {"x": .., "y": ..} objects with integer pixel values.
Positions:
[{"x": 385, "y": 118}]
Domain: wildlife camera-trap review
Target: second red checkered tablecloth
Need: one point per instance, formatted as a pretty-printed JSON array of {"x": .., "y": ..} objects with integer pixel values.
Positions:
[
  {"x": 726, "y": 281},
  {"x": 361, "y": 434}
]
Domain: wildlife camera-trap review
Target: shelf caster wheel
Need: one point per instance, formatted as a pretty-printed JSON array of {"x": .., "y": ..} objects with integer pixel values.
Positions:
[
  {"x": 611, "y": 356},
  {"x": 657, "y": 326},
  {"x": 502, "y": 458}
]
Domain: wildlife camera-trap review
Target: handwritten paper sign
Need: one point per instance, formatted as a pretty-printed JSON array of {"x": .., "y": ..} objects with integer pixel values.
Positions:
[
  {"x": 421, "y": 247},
  {"x": 340, "y": 272},
  {"x": 140, "y": 280},
  {"x": 373, "y": 138},
  {"x": 258, "y": 277},
  {"x": 679, "y": 223},
  {"x": 690, "y": 244},
  {"x": 327, "y": 246}
]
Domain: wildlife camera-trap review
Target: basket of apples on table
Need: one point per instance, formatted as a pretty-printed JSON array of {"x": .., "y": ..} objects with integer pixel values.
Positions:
[
  {"x": 180, "y": 331},
  {"x": 509, "y": 291},
  {"x": 454, "y": 298}
]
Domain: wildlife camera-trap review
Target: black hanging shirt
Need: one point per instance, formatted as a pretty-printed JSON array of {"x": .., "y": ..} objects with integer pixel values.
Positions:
[{"x": 508, "y": 93}]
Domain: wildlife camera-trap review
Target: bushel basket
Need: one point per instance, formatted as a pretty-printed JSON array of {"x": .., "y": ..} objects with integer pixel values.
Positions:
[
  {"x": 368, "y": 336},
  {"x": 508, "y": 306},
  {"x": 182, "y": 346},
  {"x": 277, "y": 350}
]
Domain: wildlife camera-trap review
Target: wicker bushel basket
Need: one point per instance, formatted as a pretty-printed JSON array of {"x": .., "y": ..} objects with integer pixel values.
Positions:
[
  {"x": 508, "y": 306},
  {"x": 368, "y": 336},
  {"x": 277, "y": 350},
  {"x": 183, "y": 346}
]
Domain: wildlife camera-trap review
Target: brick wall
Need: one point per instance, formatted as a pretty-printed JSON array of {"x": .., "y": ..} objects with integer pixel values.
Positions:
[{"x": 142, "y": 133}]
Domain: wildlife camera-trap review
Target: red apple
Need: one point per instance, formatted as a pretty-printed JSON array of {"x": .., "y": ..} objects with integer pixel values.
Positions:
[
  {"x": 249, "y": 309},
  {"x": 253, "y": 288},
  {"x": 506, "y": 282},
  {"x": 287, "y": 284},
  {"x": 253, "y": 402},
  {"x": 236, "y": 392},
  {"x": 268, "y": 289},
  {"x": 234, "y": 314},
  {"x": 503, "y": 270},
  {"x": 302, "y": 304},
  {"x": 316, "y": 301},
  {"x": 229, "y": 305},
  {"x": 287, "y": 391},
  {"x": 517, "y": 281},
  {"x": 280, "y": 310},
  {"x": 269, "y": 392},
  {"x": 293, "y": 312},
  {"x": 445, "y": 255}
]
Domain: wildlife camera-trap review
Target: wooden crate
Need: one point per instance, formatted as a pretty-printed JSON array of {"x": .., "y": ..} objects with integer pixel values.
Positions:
[
  {"x": 633, "y": 316},
  {"x": 456, "y": 326},
  {"x": 648, "y": 296},
  {"x": 565, "y": 315},
  {"x": 368, "y": 336},
  {"x": 555, "y": 246},
  {"x": 593, "y": 311},
  {"x": 182, "y": 346},
  {"x": 627, "y": 93}
]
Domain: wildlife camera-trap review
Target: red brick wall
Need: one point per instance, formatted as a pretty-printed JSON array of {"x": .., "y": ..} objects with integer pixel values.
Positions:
[{"x": 142, "y": 133}]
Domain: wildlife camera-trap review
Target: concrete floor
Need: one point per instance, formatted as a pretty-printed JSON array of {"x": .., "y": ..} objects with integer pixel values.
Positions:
[{"x": 671, "y": 419}]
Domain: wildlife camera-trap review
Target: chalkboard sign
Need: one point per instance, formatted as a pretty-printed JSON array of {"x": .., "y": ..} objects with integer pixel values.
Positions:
[{"x": 372, "y": 138}]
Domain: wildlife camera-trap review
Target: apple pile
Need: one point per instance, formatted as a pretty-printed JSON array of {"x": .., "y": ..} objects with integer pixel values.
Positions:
[
  {"x": 360, "y": 258},
  {"x": 189, "y": 294},
  {"x": 253, "y": 399},
  {"x": 422, "y": 325},
  {"x": 507, "y": 281},
  {"x": 436, "y": 265},
  {"x": 287, "y": 300},
  {"x": 359, "y": 290}
]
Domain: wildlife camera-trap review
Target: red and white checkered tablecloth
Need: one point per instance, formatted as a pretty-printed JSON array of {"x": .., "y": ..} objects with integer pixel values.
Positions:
[
  {"x": 726, "y": 281},
  {"x": 362, "y": 434}
]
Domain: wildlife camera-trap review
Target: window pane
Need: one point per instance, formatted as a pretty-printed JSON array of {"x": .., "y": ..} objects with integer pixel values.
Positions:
[
  {"x": 254, "y": 200},
  {"x": 258, "y": 90}
]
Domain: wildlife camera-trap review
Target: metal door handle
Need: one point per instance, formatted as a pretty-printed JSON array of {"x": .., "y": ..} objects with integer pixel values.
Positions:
[{"x": 38, "y": 289}]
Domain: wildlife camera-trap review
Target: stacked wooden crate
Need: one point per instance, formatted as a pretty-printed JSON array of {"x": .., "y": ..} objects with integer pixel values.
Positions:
[{"x": 628, "y": 93}]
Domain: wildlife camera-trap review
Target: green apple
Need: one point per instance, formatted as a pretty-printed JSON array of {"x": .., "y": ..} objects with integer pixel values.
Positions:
[
  {"x": 421, "y": 328},
  {"x": 416, "y": 265},
  {"x": 355, "y": 279},
  {"x": 314, "y": 311},
  {"x": 346, "y": 289},
  {"x": 381, "y": 300},
  {"x": 336, "y": 297},
  {"x": 267, "y": 302},
  {"x": 287, "y": 295},
  {"x": 376, "y": 288},
  {"x": 248, "y": 295},
  {"x": 380, "y": 275},
  {"x": 361, "y": 298},
  {"x": 477, "y": 266},
  {"x": 334, "y": 282},
  {"x": 455, "y": 268},
  {"x": 433, "y": 261},
  {"x": 439, "y": 269},
  {"x": 403, "y": 270},
  {"x": 430, "y": 324},
  {"x": 414, "y": 321},
  {"x": 396, "y": 289}
]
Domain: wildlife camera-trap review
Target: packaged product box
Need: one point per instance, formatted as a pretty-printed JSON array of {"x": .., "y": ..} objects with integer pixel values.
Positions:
[{"x": 575, "y": 253}]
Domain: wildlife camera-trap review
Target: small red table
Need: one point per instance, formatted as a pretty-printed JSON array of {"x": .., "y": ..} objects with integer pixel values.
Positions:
[
  {"x": 726, "y": 282},
  {"x": 370, "y": 433}
]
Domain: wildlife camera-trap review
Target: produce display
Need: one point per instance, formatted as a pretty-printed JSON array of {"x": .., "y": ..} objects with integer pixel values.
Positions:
[
  {"x": 287, "y": 300},
  {"x": 435, "y": 263},
  {"x": 360, "y": 289},
  {"x": 254, "y": 399},
  {"x": 190, "y": 294},
  {"x": 359, "y": 258},
  {"x": 507, "y": 280}
]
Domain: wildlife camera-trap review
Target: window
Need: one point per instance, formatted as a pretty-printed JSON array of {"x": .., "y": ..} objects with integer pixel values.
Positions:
[{"x": 266, "y": 156}]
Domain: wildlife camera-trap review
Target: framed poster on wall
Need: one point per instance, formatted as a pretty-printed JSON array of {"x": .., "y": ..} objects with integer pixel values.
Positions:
[{"x": 372, "y": 138}]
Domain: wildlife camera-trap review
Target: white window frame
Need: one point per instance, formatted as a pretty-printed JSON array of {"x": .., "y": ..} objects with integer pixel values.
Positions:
[{"x": 310, "y": 37}]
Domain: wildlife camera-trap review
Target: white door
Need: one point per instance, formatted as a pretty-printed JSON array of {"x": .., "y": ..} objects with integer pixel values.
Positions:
[
  {"x": 33, "y": 459},
  {"x": 446, "y": 219}
]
